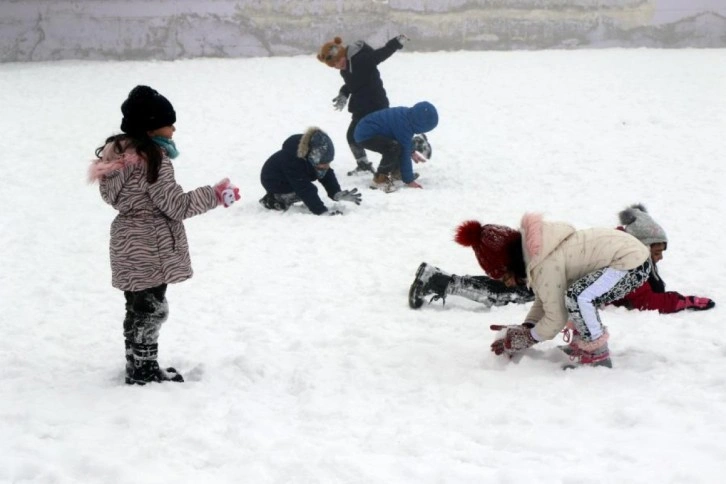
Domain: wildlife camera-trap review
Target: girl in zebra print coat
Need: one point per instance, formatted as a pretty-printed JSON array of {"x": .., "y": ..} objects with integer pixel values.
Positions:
[{"x": 148, "y": 244}]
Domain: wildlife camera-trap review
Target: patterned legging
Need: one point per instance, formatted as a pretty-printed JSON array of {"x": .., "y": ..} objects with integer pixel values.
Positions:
[
  {"x": 146, "y": 310},
  {"x": 596, "y": 288}
]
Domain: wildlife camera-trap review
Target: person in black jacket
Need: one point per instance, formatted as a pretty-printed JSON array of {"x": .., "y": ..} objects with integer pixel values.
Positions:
[
  {"x": 363, "y": 88},
  {"x": 288, "y": 174}
]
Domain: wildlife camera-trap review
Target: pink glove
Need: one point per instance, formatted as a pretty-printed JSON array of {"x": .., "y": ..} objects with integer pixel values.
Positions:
[
  {"x": 226, "y": 193},
  {"x": 696, "y": 303},
  {"x": 413, "y": 184}
]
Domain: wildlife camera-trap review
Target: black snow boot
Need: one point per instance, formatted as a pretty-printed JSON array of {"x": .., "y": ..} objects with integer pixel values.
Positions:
[
  {"x": 429, "y": 280},
  {"x": 362, "y": 166},
  {"x": 146, "y": 368}
]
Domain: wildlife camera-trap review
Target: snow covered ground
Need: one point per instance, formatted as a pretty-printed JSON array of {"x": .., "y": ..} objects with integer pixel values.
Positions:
[{"x": 304, "y": 363}]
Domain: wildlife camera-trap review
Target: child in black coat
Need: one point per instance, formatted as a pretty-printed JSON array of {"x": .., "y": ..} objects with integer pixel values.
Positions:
[
  {"x": 288, "y": 174},
  {"x": 358, "y": 66}
]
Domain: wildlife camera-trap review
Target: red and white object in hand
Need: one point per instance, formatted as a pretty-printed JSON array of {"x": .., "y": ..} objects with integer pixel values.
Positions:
[{"x": 226, "y": 193}]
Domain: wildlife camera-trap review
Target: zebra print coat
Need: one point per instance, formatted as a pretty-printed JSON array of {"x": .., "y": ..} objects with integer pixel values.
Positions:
[{"x": 148, "y": 241}]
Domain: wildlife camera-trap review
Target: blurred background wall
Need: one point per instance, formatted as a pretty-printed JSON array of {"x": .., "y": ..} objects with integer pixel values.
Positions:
[{"x": 38, "y": 30}]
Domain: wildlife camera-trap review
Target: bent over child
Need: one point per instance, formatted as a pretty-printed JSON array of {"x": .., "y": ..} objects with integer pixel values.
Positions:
[{"x": 571, "y": 273}]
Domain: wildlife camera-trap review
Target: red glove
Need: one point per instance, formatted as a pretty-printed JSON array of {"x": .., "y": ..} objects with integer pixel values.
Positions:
[
  {"x": 226, "y": 193},
  {"x": 517, "y": 338},
  {"x": 694, "y": 302}
]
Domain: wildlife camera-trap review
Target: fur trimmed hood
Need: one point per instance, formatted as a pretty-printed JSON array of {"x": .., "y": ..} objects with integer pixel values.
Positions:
[
  {"x": 316, "y": 146},
  {"x": 536, "y": 243},
  {"x": 112, "y": 162}
]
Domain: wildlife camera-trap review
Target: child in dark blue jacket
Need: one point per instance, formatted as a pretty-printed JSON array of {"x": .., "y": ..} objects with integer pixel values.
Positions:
[
  {"x": 390, "y": 132},
  {"x": 288, "y": 175}
]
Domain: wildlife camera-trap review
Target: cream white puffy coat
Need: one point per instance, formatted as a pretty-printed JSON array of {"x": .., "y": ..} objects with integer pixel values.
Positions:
[{"x": 556, "y": 255}]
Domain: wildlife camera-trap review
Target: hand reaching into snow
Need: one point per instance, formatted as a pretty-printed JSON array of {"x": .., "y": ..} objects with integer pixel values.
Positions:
[
  {"x": 696, "y": 303},
  {"x": 516, "y": 338},
  {"x": 348, "y": 196}
]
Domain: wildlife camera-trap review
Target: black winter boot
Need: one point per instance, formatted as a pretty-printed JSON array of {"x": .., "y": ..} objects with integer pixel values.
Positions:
[
  {"x": 361, "y": 161},
  {"x": 429, "y": 280},
  {"x": 146, "y": 368},
  {"x": 270, "y": 203}
]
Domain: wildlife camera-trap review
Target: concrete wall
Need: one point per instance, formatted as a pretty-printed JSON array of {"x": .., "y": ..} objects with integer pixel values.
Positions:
[{"x": 34, "y": 30}]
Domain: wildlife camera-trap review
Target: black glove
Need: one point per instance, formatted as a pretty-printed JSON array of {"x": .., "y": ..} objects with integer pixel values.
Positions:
[
  {"x": 348, "y": 196},
  {"x": 340, "y": 101}
]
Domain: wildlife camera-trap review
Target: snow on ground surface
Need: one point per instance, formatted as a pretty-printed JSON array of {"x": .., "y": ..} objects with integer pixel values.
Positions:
[{"x": 304, "y": 363}]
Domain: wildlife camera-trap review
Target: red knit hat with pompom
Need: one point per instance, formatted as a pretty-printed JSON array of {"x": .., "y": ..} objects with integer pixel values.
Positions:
[
  {"x": 494, "y": 245},
  {"x": 331, "y": 52}
]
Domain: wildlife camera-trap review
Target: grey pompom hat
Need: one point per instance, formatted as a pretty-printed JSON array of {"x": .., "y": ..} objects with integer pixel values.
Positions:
[{"x": 637, "y": 222}]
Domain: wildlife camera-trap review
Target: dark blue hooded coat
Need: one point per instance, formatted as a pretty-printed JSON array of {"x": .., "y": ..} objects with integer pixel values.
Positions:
[
  {"x": 401, "y": 124},
  {"x": 285, "y": 172}
]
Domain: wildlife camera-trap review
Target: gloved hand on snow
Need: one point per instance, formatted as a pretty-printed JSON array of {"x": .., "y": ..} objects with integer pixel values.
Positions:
[
  {"x": 226, "y": 193},
  {"x": 696, "y": 303},
  {"x": 348, "y": 196},
  {"x": 402, "y": 39},
  {"x": 340, "y": 101},
  {"x": 334, "y": 212},
  {"x": 517, "y": 338}
]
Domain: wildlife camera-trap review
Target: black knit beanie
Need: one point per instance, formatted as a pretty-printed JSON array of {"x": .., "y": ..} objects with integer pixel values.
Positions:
[{"x": 146, "y": 110}]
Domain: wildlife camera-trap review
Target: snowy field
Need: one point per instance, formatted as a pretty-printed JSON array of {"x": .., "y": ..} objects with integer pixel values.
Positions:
[{"x": 304, "y": 363}]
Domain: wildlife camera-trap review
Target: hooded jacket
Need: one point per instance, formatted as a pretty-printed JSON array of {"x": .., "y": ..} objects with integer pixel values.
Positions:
[
  {"x": 286, "y": 172},
  {"x": 556, "y": 255},
  {"x": 363, "y": 80},
  {"x": 399, "y": 123},
  {"x": 148, "y": 244}
]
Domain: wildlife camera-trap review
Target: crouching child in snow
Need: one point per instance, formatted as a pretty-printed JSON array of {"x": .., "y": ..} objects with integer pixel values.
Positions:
[
  {"x": 570, "y": 271},
  {"x": 652, "y": 295},
  {"x": 148, "y": 245},
  {"x": 288, "y": 175},
  {"x": 390, "y": 132}
]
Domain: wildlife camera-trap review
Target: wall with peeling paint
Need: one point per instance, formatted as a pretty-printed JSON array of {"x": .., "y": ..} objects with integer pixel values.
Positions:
[{"x": 34, "y": 30}]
